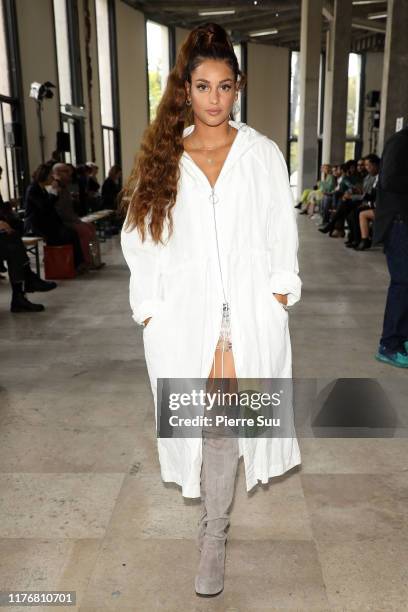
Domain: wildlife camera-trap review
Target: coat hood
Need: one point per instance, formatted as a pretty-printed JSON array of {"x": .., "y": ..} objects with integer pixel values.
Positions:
[{"x": 246, "y": 138}]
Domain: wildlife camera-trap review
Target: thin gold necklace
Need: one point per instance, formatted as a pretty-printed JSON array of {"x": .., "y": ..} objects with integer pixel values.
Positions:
[{"x": 210, "y": 160}]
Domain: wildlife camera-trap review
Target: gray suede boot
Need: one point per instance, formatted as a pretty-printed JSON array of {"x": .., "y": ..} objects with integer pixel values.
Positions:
[{"x": 219, "y": 468}]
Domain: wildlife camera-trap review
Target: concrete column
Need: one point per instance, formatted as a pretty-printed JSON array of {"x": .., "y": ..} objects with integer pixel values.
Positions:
[
  {"x": 335, "y": 93},
  {"x": 131, "y": 37},
  {"x": 310, "y": 38},
  {"x": 394, "y": 91}
]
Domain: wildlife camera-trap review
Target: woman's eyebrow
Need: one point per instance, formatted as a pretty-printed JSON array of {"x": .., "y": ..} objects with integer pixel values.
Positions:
[{"x": 205, "y": 80}]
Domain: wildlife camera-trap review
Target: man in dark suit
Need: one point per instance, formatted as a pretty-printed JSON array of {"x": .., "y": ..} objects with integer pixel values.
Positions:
[{"x": 391, "y": 229}]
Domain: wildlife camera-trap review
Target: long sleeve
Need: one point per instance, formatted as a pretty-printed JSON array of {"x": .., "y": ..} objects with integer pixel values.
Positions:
[
  {"x": 143, "y": 260},
  {"x": 282, "y": 231}
]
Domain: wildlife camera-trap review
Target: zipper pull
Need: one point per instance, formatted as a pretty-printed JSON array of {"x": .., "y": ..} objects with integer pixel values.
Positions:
[{"x": 213, "y": 197}]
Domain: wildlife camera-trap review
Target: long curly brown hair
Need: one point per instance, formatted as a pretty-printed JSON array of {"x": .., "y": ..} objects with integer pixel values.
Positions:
[{"x": 151, "y": 189}]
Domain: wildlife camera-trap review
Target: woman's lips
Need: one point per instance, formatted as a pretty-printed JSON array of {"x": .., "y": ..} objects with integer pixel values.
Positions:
[{"x": 213, "y": 112}]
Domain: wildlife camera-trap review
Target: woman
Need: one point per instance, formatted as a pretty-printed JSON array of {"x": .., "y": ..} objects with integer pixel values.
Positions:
[
  {"x": 211, "y": 293},
  {"x": 41, "y": 217}
]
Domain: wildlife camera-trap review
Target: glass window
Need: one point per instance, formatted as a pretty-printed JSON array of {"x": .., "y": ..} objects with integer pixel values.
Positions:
[
  {"x": 353, "y": 94},
  {"x": 294, "y": 115},
  {"x": 158, "y": 63},
  {"x": 4, "y": 61},
  {"x": 104, "y": 61},
  {"x": 11, "y": 185},
  {"x": 295, "y": 94},
  {"x": 62, "y": 41},
  {"x": 105, "y": 80},
  {"x": 349, "y": 151}
]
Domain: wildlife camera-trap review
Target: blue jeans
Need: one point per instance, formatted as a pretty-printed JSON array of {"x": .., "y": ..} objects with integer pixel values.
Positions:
[{"x": 395, "y": 326}]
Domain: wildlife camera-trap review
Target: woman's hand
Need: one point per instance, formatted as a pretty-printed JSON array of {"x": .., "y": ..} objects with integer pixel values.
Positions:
[{"x": 282, "y": 298}]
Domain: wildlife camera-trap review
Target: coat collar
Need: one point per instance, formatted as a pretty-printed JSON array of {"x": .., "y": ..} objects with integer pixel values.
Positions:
[{"x": 244, "y": 140}]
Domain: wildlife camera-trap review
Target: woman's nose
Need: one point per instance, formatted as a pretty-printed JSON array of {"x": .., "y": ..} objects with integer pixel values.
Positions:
[{"x": 214, "y": 95}]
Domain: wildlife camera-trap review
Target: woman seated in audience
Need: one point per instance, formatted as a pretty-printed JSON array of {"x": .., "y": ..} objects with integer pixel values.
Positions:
[
  {"x": 325, "y": 186},
  {"x": 364, "y": 202},
  {"x": 93, "y": 188},
  {"x": 64, "y": 206},
  {"x": 41, "y": 218},
  {"x": 327, "y": 205},
  {"x": 343, "y": 200}
]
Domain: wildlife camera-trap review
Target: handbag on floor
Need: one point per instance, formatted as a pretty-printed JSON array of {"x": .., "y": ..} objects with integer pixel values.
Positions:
[{"x": 95, "y": 254}]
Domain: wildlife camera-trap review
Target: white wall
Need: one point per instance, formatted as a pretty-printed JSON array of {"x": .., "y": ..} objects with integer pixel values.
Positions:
[
  {"x": 268, "y": 91},
  {"x": 373, "y": 80},
  {"x": 132, "y": 60},
  {"x": 35, "y": 26}
]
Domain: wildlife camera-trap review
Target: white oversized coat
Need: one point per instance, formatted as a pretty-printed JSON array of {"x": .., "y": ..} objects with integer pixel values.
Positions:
[{"x": 178, "y": 285}]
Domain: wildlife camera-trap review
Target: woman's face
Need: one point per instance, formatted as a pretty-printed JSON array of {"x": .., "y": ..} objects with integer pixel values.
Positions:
[{"x": 212, "y": 92}]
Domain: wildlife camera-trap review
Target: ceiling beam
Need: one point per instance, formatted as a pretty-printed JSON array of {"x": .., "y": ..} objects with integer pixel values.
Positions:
[{"x": 367, "y": 24}]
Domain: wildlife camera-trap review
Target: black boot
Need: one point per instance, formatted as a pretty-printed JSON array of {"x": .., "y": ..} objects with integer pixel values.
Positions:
[
  {"x": 326, "y": 228},
  {"x": 19, "y": 302},
  {"x": 364, "y": 244},
  {"x": 34, "y": 283}
]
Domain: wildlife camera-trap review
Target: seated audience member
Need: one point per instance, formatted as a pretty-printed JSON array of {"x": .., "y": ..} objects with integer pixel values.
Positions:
[
  {"x": 64, "y": 206},
  {"x": 82, "y": 179},
  {"x": 93, "y": 188},
  {"x": 111, "y": 188},
  {"x": 41, "y": 218},
  {"x": 325, "y": 186},
  {"x": 327, "y": 201},
  {"x": 110, "y": 191},
  {"x": 361, "y": 169},
  {"x": 348, "y": 198},
  {"x": 364, "y": 202},
  {"x": 22, "y": 278}
]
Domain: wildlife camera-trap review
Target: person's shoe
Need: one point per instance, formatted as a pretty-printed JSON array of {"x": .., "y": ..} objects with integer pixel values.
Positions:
[
  {"x": 397, "y": 358},
  {"x": 303, "y": 212},
  {"x": 337, "y": 233},
  {"x": 325, "y": 229},
  {"x": 35, "y": 283},
  {"x": 364, "y": 244},
  {"x": 351, "y": 244},
  {"x": 19, "y": 303},
  {"x": 299, "y": 205},
  {"x": 209, "y": 580}
]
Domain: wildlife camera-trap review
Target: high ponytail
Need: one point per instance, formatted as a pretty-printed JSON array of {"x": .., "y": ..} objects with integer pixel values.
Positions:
[{"x": 151, "y": 190}]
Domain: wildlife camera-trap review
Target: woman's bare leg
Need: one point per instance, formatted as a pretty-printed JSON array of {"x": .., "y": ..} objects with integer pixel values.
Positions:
[{"x": 364, "y": 217}]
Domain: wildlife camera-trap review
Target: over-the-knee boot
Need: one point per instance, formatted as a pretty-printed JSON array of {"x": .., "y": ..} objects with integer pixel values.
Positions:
[{"x": 219, "y": 468}]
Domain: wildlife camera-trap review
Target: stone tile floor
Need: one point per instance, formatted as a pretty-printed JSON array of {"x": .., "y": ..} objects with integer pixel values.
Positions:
[{"x": 82, "y": 504}]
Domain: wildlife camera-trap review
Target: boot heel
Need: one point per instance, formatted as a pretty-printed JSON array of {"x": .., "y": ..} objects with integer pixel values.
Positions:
[{"x": 209, "y": 580}]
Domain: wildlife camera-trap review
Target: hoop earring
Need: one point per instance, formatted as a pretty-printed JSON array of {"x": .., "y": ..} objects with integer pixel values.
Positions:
[{"x": 188, "y": 102}]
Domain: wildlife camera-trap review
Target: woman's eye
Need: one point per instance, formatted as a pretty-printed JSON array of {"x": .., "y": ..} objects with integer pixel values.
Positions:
[
  {"x": 201, "y": 87},
  {"x": 226, "y": 87}
]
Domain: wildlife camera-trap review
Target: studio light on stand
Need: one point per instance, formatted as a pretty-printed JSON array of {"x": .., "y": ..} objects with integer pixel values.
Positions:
[{"x": 40, "y": 92}]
